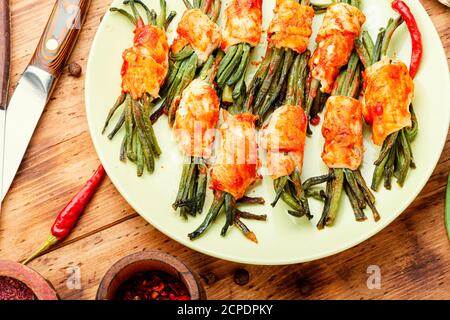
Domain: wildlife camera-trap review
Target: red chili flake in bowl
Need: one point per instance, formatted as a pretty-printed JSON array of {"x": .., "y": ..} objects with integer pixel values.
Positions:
[
  {"x": 152, "y": 285},
  {"x": 13, "y": 289}
]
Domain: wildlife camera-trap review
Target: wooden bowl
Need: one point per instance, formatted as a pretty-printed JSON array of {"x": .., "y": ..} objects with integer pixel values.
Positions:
[
  {"x": 128, "y": 266},
  {"x": 42, "y": 289}
]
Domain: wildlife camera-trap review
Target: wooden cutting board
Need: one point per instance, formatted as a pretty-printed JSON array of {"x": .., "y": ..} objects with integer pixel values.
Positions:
[{"x": 413, "y": 253}]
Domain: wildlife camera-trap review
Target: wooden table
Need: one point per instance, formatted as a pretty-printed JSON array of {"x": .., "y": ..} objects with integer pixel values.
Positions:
[{"x": 413, "y": 252}]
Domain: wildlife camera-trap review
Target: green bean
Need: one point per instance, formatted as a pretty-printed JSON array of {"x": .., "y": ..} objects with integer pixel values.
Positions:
[
  {"x": 214, "y": 11},
  {"x": 316, "y": 194},
  {"x": 387, "y": 146},
  {"x": 161, "y": 20},
  {"x": 230, "y": 207},
  {"x": 368, "y": 43},
  {"x": 173, "y": 71},
  {"x": 239, "y": 73},
  {"x": 411, "y": 132},
  {"x": 145, "y": 144},
  {"x": 250, "y": 216},
  {"x": 118, "y": 125},
  {"x": 124, "y": 13},
  {"x": 257, "y": 80},
  {"x": 274, "y": 91},
  {"x": 170, "y": 17},
  {"x": 300, "y": 194},
  {"x": 129, "y": 127},
  {"x": 377, "y": 48},
  {"x": 354, "y": 89},
  {"x": 182, "y": 185},
  {"x": 191, "y": 197},
  {"x": 407, "y": 159},
  {"x": 363, "y": 53},
  {"x": 227, "y": 59},
  {"x": 389, "y": 169},
  {"x": 279, "y": 185},
  {"x": 313, "y": 88},
  {"x": 275, "y": 65},
  {"x": 378, "y": 174},
  {"x": 140, "y": 158},
  {"x": 149, "y": 131},
  {"x": 337, "y": 185},
  {"x": 388, "y": 34},
  {"x": 239, "y": 89},
  {"x": 134, "y": 10},
  {"x": 210, "y": 217},
  {"x": 188, "y": 76},
  {"x": 363, "y": 186},
  {"x": 120, "y": 100},
  {"x": 188, "y": 4},
  {"x": 228, "y": 71},
  {"x": 353, "y": 185},
  {"x": 302, "y": 78},
  {"x": 291, "y": 93},
  {"x": 171, "y": 91},
  {"x": 296, "y": 214},
  {"x": 245, "y": 230},
  {"x": 143, "y": 5},
  {"x": 153, "y": 17},
  {"x": 201, "y": 185},
  {"x": 375, "y": 213},
  {"x": 359, "y": 213},
  {"x": 326, "y": 207},
  {"x": 123, "y": 149},
  {"x": 317, "y": 180},
  {"x": 251, "y": 200},
  {"x": 183, "y": 54},
  {"x": 190, "y": 177},
  {"x": 206, "y": 69},
  {"x": 351, "y": 69}
]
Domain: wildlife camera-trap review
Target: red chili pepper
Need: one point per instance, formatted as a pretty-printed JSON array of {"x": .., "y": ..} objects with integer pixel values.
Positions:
[
  {"x": 416, "y": 37},
  {"x": 68, "y": 216}
]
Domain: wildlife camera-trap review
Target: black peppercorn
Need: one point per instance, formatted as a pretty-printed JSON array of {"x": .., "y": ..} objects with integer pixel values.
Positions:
[
  {"x": 241, "y": 277},
  {"x": 75, "y": 70}
]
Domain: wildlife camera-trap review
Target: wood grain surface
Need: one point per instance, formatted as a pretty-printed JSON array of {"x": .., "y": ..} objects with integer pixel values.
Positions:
[
  {"x": 5, "y": 52},
  {"x": 413, "y": 253}
]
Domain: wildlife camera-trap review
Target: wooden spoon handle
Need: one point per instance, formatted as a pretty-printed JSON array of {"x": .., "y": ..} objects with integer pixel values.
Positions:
[
  {"x": 60, "y": 35},
  {"x": 5, "y": 52}
]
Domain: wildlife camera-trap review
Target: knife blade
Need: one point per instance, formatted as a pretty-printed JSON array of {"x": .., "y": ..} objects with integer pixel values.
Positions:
[
  {"x": 38, "y": 81},
  {"x": 5, "y": 57}
]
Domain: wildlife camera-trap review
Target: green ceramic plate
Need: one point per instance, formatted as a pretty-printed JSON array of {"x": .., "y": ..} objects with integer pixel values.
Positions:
[{"x": 282, "y": 239}]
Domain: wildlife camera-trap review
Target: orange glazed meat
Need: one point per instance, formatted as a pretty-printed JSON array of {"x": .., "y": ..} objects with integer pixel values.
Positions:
[
  {"x": 342, "y": 130},
  {"x": 341, "y": 25},
  {"x": 145, "y": 65},
  {"x": 236, "y": 164},
  {"x": 291, "y": 25},
  {"x": 284, "y": 139},
  {"x": 242, "y": 21},
  {"x": 388, "y": 92},
  {"x": 196, "y": 119},
  {"x": 196, "y": 29}
]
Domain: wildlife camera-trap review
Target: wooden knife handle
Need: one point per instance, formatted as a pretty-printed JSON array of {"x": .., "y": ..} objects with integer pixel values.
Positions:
[
  {"x": 60, "y": 35},
  {"x": 5, "y": 52}
]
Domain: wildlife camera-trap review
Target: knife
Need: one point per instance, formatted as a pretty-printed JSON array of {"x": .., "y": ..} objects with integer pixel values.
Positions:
[
  {"x": 5, "y": 56},
  {"x": 38, "y": 81}
]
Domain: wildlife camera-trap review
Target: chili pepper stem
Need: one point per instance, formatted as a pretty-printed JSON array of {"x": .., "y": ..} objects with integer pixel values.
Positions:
[{"x": 51, "y": 241}]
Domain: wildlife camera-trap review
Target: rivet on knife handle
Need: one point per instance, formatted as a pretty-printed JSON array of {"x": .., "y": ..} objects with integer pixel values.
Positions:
[
  {"x": 60, "y": 35},
  {"x": 5, "y": 53}
]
